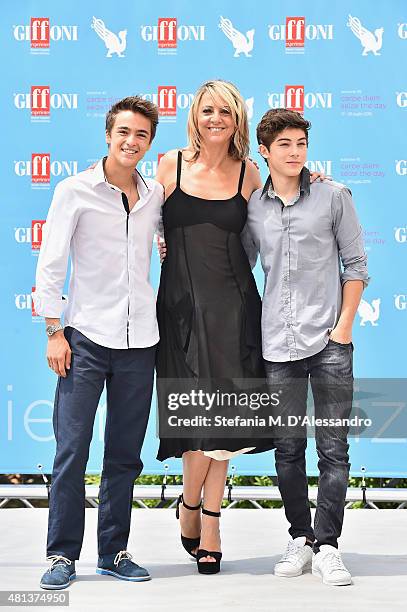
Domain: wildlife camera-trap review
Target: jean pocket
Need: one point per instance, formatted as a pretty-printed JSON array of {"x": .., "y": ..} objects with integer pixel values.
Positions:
[{"x": 344, "y": 345}]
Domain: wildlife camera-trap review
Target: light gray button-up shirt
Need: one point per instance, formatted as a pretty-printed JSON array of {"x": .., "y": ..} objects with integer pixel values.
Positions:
[{"x": 301, "y": 245}]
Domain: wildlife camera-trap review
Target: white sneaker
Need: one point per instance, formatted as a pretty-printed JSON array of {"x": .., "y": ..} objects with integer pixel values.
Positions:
[
  {"x": 295, "y": 560},
  {"x": 328, "y": 565}
]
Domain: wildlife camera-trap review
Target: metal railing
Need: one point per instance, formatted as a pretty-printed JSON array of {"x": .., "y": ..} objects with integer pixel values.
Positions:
[{"x": 234, "y": 494}]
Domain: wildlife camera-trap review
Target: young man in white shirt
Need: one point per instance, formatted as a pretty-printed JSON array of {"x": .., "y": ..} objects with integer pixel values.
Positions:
[{"x": 105, "y": 220}]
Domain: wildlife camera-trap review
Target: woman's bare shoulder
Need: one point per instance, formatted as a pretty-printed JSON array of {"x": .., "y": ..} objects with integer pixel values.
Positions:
[{"x": 170, "y": 158}]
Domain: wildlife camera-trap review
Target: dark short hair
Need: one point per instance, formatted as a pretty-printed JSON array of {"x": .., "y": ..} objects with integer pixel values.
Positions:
[
  {"x": 136, "y": 105},
  {"x": 275, "y": 121}
]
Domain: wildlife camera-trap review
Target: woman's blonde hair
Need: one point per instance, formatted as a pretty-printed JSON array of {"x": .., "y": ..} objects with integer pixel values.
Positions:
[{"x": 228, "y": 93}]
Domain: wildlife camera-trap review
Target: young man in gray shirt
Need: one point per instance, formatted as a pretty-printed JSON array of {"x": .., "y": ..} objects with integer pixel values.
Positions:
[{"x": 303, "y": 231}]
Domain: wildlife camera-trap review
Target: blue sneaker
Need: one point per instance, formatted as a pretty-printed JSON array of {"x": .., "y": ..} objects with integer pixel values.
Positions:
[
  {"x": 60, "y": 574},
  {"x": 121, "y": 566}
]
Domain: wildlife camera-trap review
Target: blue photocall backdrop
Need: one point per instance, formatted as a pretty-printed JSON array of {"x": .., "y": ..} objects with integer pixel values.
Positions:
[{"x": 65, "y": 63}]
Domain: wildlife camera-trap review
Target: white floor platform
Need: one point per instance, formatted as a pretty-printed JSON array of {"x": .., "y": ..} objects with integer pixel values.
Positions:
[{"x": 373, "y": 545}]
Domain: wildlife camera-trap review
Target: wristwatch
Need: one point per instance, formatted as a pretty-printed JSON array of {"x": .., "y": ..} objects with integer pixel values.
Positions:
[{"x": 52, "y": 329}]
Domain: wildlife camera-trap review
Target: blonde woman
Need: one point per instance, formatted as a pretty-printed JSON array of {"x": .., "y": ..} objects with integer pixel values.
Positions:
[{"x": 208, "y": 305}]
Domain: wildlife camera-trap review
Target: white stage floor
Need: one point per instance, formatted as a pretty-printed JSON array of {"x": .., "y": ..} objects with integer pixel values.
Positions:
[{"x": 374, "y": 547}]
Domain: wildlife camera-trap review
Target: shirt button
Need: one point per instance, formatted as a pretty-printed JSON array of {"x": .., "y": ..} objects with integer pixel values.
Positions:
[
  {"x": 286, "y": 301},
  {"x": 285, "y": 277}
]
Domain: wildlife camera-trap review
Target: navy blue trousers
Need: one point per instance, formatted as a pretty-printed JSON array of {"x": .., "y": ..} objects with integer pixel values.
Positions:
[{"x": 128, "y": 375}]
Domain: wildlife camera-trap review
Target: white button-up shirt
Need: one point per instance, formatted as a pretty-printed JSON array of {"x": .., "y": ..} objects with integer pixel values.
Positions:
[{"x": 110, "y": 298}]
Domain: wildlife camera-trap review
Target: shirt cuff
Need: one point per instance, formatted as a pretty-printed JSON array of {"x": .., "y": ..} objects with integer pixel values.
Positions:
[
  {"x": 51, "y": 308},
  {"x": 355, "y": 275}
]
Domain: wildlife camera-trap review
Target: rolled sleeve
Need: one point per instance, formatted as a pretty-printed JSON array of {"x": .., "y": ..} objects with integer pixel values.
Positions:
[
  {"x": 54, "y": 253},
  {"x": 349, "y": 237}
]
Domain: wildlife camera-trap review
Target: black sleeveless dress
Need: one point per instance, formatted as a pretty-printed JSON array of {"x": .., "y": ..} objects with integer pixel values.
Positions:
[{"x": 208, "y": 306}]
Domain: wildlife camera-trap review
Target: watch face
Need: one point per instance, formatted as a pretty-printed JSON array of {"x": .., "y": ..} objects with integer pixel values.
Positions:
[{"x": 52, "y": 329}]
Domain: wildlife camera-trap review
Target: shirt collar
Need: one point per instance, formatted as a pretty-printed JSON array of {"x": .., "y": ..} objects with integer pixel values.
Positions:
[
  {"x": 304, "y": 187},
  {"x": 100, "y": 177}
]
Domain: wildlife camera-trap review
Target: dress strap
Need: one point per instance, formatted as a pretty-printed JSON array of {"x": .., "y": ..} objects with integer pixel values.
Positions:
[
  {"x": 241, "y": 177},
  {"x": 179, "y": 164}
]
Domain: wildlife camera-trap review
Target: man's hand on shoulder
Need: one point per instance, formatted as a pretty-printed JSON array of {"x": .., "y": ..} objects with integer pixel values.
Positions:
[
  {"x": 252, "y": 177},
  {"x": 314, "y": 176},
  {"x": 253, "y": 161}
]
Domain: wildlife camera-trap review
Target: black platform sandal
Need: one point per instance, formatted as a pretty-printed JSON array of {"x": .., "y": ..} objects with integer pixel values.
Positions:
[
  {"x": 188, "y": 543},
  {"x": 208, "y": 567}
]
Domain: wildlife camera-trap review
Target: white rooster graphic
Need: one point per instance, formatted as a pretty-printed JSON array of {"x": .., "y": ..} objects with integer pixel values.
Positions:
[
  {"x": 369, "y": 313},
  {"x": 370, "y": 42},
  {"x": 249, "y": 108},
  {"x": 241, "y": 42},
  {"x": 114, "y": 43}
]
